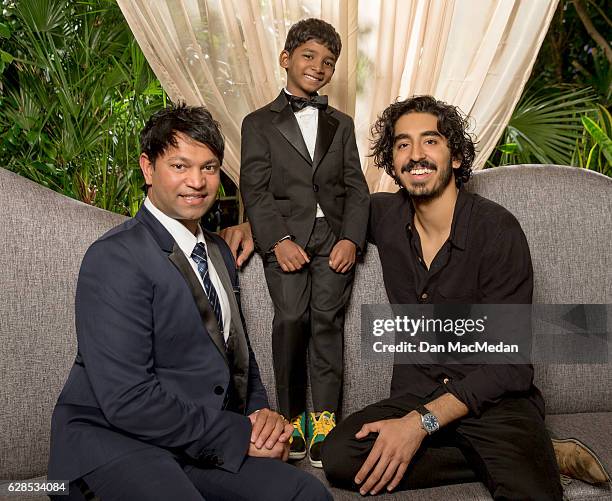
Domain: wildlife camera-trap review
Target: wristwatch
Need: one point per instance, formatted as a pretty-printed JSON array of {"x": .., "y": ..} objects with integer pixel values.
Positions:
[{"x": 429, "y": 422}]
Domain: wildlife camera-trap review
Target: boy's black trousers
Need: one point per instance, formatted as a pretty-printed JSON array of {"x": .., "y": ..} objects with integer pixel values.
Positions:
[{"x": 309, "y": 307}]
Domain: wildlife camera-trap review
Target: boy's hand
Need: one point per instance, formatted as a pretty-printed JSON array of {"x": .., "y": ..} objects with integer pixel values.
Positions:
[
  {"x": 342, "y": 256},
  {"x": 290, "y": 256}
]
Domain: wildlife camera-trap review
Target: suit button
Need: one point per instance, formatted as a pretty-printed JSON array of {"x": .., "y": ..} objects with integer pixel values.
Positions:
[
  {"x": 218, "y": 390},
  {"x": 315, "y": 187}
]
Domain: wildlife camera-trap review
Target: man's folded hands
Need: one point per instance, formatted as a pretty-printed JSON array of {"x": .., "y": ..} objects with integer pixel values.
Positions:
[{"x": 270, "y": 435}]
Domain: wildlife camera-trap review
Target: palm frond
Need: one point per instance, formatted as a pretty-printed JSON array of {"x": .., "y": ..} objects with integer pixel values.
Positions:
[{"x": 544, "y": 125}]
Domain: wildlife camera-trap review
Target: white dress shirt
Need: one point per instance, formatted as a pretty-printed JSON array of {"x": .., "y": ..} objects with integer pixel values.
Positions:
[
  {"x": 308, "y": 120},
  {"x": 186, "y": 242}
]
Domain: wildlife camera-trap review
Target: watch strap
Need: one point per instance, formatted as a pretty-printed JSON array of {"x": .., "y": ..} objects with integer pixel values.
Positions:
[{"x": 422, "y": 410}]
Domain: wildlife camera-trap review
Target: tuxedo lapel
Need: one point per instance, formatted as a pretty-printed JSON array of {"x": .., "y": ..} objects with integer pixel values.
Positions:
[
  {"x": 237, "y": 348},
  {"x": 207, "y": 314},
  {"x": 325, "y": 135},
  {"x": 287, "y": 125}
]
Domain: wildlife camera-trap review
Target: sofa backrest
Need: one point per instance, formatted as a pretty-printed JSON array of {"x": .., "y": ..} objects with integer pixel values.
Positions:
[
  {"x": 566, "y": 214},
  {"x": 44, "y": 236}
]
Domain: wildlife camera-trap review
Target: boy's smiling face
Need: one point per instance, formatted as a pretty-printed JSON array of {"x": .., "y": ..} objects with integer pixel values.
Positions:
[{"x": 309, "y": 67}]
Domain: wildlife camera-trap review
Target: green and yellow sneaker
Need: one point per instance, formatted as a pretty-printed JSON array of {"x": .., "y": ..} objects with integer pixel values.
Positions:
[
  {"x": 297, "y": 447},
  {"x": 319, "y": 426}
]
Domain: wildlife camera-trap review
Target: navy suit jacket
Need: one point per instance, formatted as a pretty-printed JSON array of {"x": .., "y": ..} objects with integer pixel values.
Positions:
[{"x": 152, "y": 369}]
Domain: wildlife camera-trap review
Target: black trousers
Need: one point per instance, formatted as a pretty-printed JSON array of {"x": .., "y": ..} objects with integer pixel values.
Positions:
[
  {"x": 309, "y": 308},
  {"x": 156, "y": 475},
  {"x": 507, "y": 448}
]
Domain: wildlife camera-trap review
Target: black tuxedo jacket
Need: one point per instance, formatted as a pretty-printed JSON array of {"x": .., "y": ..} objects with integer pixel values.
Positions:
[
  {"x": 152, "y": 368},
  {"x": 281, "y": 185}
]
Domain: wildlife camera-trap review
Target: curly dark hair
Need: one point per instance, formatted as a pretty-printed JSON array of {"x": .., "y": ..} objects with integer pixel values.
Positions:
[
  {"x": 159, "y": 132},
  {"x": 452, "y": 124},
  {"x": 313, "y": 29}
]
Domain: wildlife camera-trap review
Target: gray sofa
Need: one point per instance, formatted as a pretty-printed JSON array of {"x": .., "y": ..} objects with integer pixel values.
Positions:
[{"x": 565, "y": 212}]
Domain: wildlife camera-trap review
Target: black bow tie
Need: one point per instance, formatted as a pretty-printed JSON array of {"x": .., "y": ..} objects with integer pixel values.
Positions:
[{"x": 299, "y": 103}]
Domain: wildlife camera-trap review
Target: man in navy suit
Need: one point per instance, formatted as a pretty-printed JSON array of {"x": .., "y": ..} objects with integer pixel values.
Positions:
[{"x": 164, "y": 400}]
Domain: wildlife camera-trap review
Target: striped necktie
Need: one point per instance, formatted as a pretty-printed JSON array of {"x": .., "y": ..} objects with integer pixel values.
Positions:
[{"x": 199, "y": 256}]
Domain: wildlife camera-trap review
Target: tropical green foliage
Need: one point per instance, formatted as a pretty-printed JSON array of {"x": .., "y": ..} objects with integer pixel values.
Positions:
[
  {"x": 594, "y": 147},
  {"x": 74, "y": 93},
  {"x": 562, "y": 117},
  {"x": 544, "y": 126}
]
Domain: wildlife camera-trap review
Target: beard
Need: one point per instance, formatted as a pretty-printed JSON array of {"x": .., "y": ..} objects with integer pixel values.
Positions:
[{"x": 418, "y": 191}]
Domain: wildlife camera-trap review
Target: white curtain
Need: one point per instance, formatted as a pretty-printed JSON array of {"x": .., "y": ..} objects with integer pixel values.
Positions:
[{"x": 476, "y": 54}]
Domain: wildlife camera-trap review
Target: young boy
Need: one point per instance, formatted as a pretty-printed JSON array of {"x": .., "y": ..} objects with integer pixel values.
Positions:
[{"x": 307, "y": 200}]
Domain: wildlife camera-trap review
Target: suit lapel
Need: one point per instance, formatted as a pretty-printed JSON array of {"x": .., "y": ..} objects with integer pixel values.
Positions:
[
  {"x": 160, "y": 234},
  {"x": 207, "y": 314},
  {"x": 288, "y": 126},
  {"x": 237, "y": 348},
  {"x": 325, "y": 135}
]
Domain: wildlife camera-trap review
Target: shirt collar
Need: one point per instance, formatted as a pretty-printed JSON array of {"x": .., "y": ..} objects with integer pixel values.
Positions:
[
  {"x": 461, "y": 216},
  {"x": 182, "y": 236}
]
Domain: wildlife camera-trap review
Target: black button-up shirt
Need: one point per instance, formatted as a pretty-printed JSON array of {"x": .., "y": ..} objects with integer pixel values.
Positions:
[{"x": 485, "y": 260}]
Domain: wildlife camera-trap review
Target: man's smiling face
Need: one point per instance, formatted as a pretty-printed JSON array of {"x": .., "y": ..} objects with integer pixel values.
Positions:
[
  {"x": 184, "y": 180},
  {"x": 421, "y": 156},
  {"x": 309, "y": 67}
]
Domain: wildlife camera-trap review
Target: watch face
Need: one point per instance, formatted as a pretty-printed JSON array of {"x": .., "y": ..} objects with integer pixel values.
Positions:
[{"x": 430, "y": 423}]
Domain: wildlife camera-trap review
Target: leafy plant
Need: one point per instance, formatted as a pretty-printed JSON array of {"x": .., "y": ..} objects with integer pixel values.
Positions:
[
  {"x": 73, "y": 98},
  {"x": 562, "y": 116},
  {"x": 544, "y": 126},
  {"x": 593, "y": 148}
]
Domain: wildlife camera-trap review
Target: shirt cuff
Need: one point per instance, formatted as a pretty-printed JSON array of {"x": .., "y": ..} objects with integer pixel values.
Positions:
[{"x": 286, "y": 237}]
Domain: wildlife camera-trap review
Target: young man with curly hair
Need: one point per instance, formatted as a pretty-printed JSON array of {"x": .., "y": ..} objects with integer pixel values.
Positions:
[{"x": 440, "y": 244}]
